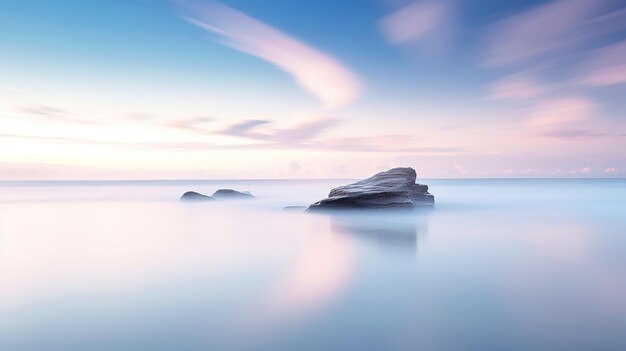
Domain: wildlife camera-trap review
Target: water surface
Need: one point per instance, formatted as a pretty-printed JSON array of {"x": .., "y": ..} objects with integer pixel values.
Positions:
[{"x": 498, "y": 264}]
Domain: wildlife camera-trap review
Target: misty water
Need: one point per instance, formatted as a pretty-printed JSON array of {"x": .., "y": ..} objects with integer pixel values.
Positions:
[{"x": 497, "y": 264}]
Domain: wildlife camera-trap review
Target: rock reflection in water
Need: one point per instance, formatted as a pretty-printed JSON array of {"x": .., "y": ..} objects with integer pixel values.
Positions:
[{"x": 390, "y": 229}]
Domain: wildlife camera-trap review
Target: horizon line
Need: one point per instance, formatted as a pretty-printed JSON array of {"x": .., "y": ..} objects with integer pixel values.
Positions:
[{"x": 293, "y": 179}]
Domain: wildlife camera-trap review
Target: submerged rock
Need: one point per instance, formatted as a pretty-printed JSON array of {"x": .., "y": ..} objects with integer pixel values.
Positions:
[
  {"x": 232, "y": 194},
  {"x": 392, "y": 189},
  {"x": 294, "y": 208},
  {"x": 194, "y": 196}
]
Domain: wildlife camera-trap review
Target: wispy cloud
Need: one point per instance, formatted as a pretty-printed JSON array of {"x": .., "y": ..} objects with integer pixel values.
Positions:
[
  {"x": 605, "y": 66},
  {"x": 261, "y": 135},
  {"x": 310, "y": 135},
  {"x": 43, "y": 110},
  {"x": 422, "y": 22},
  {"x": 574, "y": 134},
  {"x": 546, "y": 29},
  {"x": 306, "y": 130},
  {"x": 362, "y": 144},
  {"x": 378, "y": 143},
  {"x": 563, "y": 111},
  {"x": 560, "y": 39},
  {"x": 316, "y": 72},
  {"x": 246, "y": 129},
  {"x": 47, "y": 139},
  {"x": 53, "y": 114},
  {"x": 194, "y": 125},
  {"x": 137, "y": 117},
  {"x": 299, "y": 133},
  {"x": 520, "y": 86}
]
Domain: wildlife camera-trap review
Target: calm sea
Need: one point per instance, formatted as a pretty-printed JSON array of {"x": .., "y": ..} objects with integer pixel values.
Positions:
[{"x": 497, "y": 265}]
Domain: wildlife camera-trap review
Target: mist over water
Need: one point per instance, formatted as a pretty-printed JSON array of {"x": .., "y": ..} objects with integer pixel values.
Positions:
[{"x": 497, "y": 264}]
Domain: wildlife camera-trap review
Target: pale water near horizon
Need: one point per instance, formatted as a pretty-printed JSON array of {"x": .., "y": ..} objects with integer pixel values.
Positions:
[{"x": 496, "y": 265}]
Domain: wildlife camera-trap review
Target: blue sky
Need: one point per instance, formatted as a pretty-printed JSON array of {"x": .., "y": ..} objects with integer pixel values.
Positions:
[{"x": 311, "y": 89}]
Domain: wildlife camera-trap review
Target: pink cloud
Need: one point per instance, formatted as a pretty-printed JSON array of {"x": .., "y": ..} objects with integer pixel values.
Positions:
[
  {"x": 563, "y": 111},
  {"x": 316, "y": 72},
  {"x": 545, "y": 29},
  {"x": 574, "y": 134},
  {"x": 423, "y": 22},
  {"x": 516, "y": 87},
  {"x": 611, "y": 170},
  {"x": 606, "y": 66}
]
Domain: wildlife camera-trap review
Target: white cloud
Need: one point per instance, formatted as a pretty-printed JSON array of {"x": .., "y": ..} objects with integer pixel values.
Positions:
[{"x": 584, "y": 170}]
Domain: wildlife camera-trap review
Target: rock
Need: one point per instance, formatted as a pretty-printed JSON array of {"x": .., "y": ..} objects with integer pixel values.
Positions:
[
  {"x": 194, "y": 196},
  {"x": 294, "y": 208},
  {"x": 392, "y": 189},
  {"x": 232, "y": 194}
]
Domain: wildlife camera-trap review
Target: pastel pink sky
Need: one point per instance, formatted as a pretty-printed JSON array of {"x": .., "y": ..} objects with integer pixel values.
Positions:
[{"x": 538, "y": 92}]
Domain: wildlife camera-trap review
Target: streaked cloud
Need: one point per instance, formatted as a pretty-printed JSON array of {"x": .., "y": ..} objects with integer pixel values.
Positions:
[
  {"x": 48, "y": 139},
  {"x": 574, "y": 134},
  {"x": 137, "y": 117},
  {"x": 52, "y": 113},
  {"x": 318, "y": 73},
  {"x": 195, "y": 125},
  {"x": 546, "y": 29},
  {"x": 310, "y": 135},
  {"x": 557, "y": 49},
  {"x": 605, "y": 66},
  {"x": 301, "y": 132},
  {"x": 384, "y": 143},
  {"x": 307, "y": 135},
  {"x": 306, "y": 130},
  {"x": 422, "y": 22},
  {"x": 246, "y": 129},
  {"x": 561, "y": 111},
  {"x": 516, "y": 87},
  {"x": 43, "y": 110}
]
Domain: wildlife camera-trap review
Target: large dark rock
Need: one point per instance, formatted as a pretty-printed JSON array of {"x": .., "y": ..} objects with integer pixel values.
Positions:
[
  {"x": 227, "y": 194},
  {"x": 392, "y": 189},
  {"x": 194, "y": 196}
]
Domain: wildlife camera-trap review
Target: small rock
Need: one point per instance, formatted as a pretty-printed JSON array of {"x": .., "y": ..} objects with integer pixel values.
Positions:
[
  {"x": 194, "y": 196},
  {"x": 232, "y": 194}
]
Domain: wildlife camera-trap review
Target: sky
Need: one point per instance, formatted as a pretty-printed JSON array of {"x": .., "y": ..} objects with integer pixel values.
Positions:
[{"x": 250, "y": 89}]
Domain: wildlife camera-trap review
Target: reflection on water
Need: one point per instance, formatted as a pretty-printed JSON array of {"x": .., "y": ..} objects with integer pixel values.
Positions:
[
  {"x": 391, "y": 230},
  {"x": 513, "y": 265}
]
